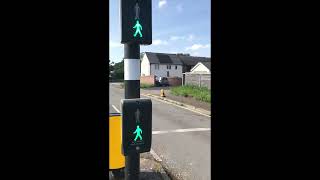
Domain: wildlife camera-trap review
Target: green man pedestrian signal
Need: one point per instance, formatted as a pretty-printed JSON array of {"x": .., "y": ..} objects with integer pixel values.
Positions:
[
  {"x": 138, "y": 133},
  {"x": 138, "y": 28},
  {"x": 136, "y": 21},
  {"x": 136, "y": 125}
]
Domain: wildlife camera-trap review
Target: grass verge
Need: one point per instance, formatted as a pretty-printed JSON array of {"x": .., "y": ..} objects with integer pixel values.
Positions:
[
  {"x": 199, "y": 93},
  {"x": 146, "y": 86}
]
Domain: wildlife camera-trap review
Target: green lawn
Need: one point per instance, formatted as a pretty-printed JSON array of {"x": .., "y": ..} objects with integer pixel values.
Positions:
[
  {"x": 199, "y": 93},
  {"x": 146, "y": 86},
  {"x": 143, "y": 86}
]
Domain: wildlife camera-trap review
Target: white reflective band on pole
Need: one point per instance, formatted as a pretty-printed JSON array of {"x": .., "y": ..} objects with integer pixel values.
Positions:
[{"x": 131, "y": 69}]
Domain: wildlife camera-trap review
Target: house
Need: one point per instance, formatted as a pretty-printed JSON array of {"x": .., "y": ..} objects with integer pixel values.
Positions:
[
  {"x": 190, "y": 61},
  {"x": 168, "y": 65},
  {"x": 199, "y": 75},
  {"x": 201, "y": 68},
  {"x": 161, "y": 65}
]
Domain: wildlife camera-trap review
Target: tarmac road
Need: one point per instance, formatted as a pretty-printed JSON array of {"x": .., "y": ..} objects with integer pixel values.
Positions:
[{"x": 181, "y": 138}]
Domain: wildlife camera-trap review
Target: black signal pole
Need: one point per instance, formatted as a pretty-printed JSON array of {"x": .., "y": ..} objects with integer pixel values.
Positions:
[
  {"x": 136, "y": 30},
  {"x": 132, "y": 90}
]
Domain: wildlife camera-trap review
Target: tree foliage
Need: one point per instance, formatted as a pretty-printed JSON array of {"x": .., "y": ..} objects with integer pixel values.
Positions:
[
  {"x": 118, "y": 70},
  {"x": 111, "y": 66}
]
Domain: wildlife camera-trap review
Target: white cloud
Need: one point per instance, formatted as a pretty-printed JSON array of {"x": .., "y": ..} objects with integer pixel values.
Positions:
[
  {"x": 190, "y": 37},
  {"x": 195, "y": 53},
  {"x": 162, "y": 3},
  {"x": 173, "y": 52},
  {"x": 174, "y": 38},
  {"x": 115, "y": 44},
  {"x": 179, "y": 8},
  {"x": 197, "y": 46},
  {"x": 159, "y": 42}
]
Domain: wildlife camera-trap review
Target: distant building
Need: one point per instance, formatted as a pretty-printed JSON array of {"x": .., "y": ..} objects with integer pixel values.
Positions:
[
  {"x": 199, "y": 75},
  {"x": 201, "y": 68},
  {"x": 161, "y": 65},
  {"x": 168, "y": 65},
  {"x": 190, "y": 61}
]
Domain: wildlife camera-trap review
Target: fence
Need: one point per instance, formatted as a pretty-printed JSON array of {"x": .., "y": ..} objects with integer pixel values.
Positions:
[
  {"x": 201, "y": 80},
  {"x": 175, "y": 81}
]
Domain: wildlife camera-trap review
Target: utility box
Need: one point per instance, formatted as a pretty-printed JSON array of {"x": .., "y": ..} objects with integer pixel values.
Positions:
[
  {"x": 136, "y": 125},
  {"x": 116, "y": 159}
]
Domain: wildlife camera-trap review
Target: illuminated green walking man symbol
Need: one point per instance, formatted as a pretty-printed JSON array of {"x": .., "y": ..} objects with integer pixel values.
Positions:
[
  {"x": 138, "y": 28},
  {"x": 138, "y": 131}
]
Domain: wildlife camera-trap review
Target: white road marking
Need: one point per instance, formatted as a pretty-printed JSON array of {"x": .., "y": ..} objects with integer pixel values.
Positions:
[
  {"x": 115, "y": 108},
  {"x": 181, "y": 130},
  {"x": 176, "y": 105},
  {"x": 155, "y": 155}
]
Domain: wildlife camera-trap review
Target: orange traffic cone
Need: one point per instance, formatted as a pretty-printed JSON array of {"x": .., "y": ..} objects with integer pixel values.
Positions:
[{"x": 162, "y": 93}]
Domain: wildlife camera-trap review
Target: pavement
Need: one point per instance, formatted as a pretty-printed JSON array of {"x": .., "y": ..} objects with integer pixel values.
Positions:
[
  {"x": 149, "y": 169},
  {"x": 181, "y": 140}
]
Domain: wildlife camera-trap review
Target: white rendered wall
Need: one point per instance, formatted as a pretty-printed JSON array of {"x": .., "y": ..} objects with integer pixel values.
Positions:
[
  {"x": 201, "y": 68},
  {"x": 162, "y": 71},
  {"x": 145, "y": 66}
]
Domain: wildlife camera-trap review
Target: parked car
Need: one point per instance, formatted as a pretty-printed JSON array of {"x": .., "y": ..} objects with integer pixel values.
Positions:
[
  {"x": 157, "y": 83},
  {"x": 163, "y": 81}
]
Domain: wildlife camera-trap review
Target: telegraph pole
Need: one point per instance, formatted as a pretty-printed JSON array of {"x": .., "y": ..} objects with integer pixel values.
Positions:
[{"x": 132, "y": 90}]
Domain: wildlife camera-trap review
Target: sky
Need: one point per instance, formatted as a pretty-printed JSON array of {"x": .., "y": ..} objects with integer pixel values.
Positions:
[{"x": 178, "y": 26}]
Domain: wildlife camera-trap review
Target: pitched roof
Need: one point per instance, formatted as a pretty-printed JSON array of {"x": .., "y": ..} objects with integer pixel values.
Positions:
[
  {"x": 193, "y": 60},
  {"x": 207, "y": 65},
  {"x": 180, "y": 59},
  {"x": 162, "y": 58}
]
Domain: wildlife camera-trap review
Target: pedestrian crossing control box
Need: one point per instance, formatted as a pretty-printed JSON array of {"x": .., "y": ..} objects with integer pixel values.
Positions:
[{"x": 136, "y": 125}]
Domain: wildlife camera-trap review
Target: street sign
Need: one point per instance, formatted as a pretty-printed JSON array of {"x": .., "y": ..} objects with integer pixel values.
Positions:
[
  {"x": 136, "y": 125},
  {"x": 136, "y": 21}
]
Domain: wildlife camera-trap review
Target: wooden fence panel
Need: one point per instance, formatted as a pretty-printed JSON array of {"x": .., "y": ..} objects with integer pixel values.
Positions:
[{"x": 201, "y": 80}]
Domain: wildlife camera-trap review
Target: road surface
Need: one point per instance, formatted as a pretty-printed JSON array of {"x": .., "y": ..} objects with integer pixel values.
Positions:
[{"x": 181, "y": 138}]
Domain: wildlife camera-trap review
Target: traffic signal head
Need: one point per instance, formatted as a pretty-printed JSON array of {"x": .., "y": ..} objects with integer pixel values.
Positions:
[
  {"x": 136, "y": 21},
  {"x": 136, "y": 125}
]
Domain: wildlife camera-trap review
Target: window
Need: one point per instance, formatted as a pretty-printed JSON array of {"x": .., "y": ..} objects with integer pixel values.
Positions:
[
  {"x": 176, "y": 67},
  {"x": 168, "y": 66},
  {"x": 156, "y": 66},
  {"x": 167, "y": 73}
]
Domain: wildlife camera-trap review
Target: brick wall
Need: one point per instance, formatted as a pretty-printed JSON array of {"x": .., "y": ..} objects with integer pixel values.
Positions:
[
  {"x": 175, "y": 81},
  {"x": 147, "y": 80}
]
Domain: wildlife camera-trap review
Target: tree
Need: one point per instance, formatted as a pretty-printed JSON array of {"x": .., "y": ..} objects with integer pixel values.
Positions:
[
  {"x": 111, "y": 68},
  {"x": 118, "y": 70},
  {"x": 111, "y": 65}
]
